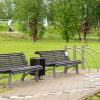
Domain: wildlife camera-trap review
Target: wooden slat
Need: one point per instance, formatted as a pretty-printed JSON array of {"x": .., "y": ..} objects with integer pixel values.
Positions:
[{"x": 12, "y": 60}]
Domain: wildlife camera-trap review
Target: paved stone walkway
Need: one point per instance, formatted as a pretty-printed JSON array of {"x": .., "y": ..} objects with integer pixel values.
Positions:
[{"x": 70, "y": 86}]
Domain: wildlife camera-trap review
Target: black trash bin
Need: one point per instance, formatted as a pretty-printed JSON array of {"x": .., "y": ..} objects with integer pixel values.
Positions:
[{"x": 38, "y": 61}]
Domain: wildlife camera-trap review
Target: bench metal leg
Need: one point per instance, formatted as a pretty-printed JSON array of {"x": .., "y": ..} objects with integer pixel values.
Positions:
[
  {"x": 54, "y": 72},
  {"x": 36, "y": 75},
  {"x": 24, "y": 75},
  {"x": 65, "y": 69},
  {"x": 77, "y": 69},
  {"x": 10, "y": 80}
]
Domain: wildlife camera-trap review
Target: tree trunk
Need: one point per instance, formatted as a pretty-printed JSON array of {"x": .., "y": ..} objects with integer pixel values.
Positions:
[
  {"x": 66, "y": 37},
  {"x": 99, "y": 29},
  {"x": 79, "y": 35},
  {"x": 84, "y": 37},
  {"x": 33, "y": 26}
]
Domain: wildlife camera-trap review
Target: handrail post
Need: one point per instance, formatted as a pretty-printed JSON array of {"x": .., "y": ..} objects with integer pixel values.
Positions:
[
  {"x": 82, "y": 58},
  {"x": 65, "y": 48},
  {"x": 74, "y": 52}
]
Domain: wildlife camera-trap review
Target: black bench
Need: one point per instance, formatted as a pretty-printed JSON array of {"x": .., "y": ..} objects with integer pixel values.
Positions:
[
  {"x": 14, "y": 63},
  {"x": 58, "y": 58}
]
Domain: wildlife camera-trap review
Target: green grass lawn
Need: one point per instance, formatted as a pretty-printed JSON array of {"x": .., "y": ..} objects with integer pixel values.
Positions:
[
  {"x": 26, "y": 46},
  {"x": 94, "y": 97},
  {"x": 9, "y": 44},
  {"x": 12, "y": 44}
]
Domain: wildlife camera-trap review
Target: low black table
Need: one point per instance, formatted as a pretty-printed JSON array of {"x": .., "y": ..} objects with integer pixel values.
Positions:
[{"x": 38, "y": 61}]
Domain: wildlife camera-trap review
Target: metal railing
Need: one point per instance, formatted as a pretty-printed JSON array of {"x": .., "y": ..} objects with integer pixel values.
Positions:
[{"x": 84, "y": 49}]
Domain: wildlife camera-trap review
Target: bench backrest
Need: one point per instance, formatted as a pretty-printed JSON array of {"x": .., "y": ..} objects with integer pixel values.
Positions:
[
  {"x": 12, "y": 60},
  {"x": 52, "y": 56}
]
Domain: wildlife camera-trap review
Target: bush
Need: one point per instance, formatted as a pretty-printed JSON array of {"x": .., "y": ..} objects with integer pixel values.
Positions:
[{"x": 3, "y": 27}]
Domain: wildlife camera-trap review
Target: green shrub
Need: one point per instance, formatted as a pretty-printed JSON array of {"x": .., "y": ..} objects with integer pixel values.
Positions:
[{"x": 3, "y": 27}]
